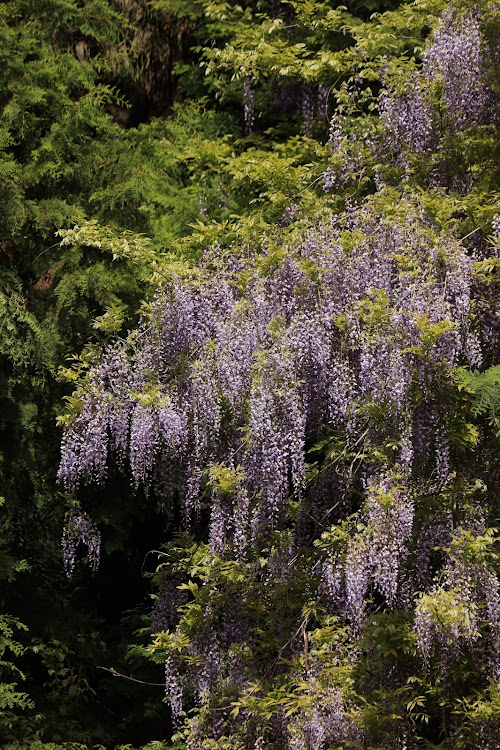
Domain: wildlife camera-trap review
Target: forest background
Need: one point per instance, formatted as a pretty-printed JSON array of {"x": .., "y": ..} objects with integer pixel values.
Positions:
[{"x": 250, "y": 279}]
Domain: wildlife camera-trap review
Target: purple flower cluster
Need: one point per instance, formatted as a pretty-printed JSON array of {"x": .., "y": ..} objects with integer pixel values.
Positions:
[
  {"x": 358, "y": 569},
  {"x": 307, "y": 111},
  {"x": 249, "y": 103},
  {"x": 450, "y": 614},
  {"x": 168, "y": 600},
  {"x": 173, "y": 690},
  {"x": 347, "y": 154},
  {"x": 376, "y": 553},
  {"x": 79, "y": 530},
  {"x": 408, "y": 119},
  {"x": 288, "y": 215},
  {"x": 87, "y": 449},
  {"x": 449, "y": 95},
  {"x": 324, "y": 724},
  {"x": 455, "y": 59},
  {"x": 389, "y": 520},
  {"x": 322, "y": 101}
]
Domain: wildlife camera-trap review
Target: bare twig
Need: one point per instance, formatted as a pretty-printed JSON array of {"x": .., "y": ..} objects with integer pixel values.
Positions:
[{"x": 113, "y": 671}]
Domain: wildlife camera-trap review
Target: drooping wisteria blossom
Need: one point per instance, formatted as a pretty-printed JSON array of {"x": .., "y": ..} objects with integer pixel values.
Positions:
[
  {"x": 249, "y": 103},
  {"x": 450, "y": 615},
  {"x": 456, "y": 58},
  {"x": 308, "y": 110},
  {"x": 324, "y": 725},
  {"x": 80, "y": 530}
]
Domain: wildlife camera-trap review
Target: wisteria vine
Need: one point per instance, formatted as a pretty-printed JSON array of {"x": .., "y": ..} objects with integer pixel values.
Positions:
[{"x": 301, "y": 401}]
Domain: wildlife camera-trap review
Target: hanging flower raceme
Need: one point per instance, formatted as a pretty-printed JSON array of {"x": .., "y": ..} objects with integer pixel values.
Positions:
[
  {"x": 80, "y": 530},
  {"x": 450, "y": 614}
]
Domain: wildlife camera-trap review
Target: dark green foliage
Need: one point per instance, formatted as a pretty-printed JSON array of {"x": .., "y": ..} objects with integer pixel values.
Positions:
[{"x": 485, "y": 387}]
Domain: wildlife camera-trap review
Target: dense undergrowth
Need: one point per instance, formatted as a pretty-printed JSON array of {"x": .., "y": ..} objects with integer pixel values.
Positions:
[{"x": 250, "y": 262}]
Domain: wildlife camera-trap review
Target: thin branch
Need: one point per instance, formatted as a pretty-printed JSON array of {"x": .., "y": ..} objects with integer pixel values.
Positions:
[
  {"x": 306, "y": 647},
  {"x": 474, "y": 231},
  {"x": 113, "y": 671}
]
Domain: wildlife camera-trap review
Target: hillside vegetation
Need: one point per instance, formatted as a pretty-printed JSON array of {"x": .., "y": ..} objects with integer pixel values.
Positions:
[{"x": 249, "y": 375}]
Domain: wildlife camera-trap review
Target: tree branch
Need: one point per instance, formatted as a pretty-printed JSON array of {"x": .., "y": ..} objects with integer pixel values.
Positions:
[{"x": 113, "y": 671}]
